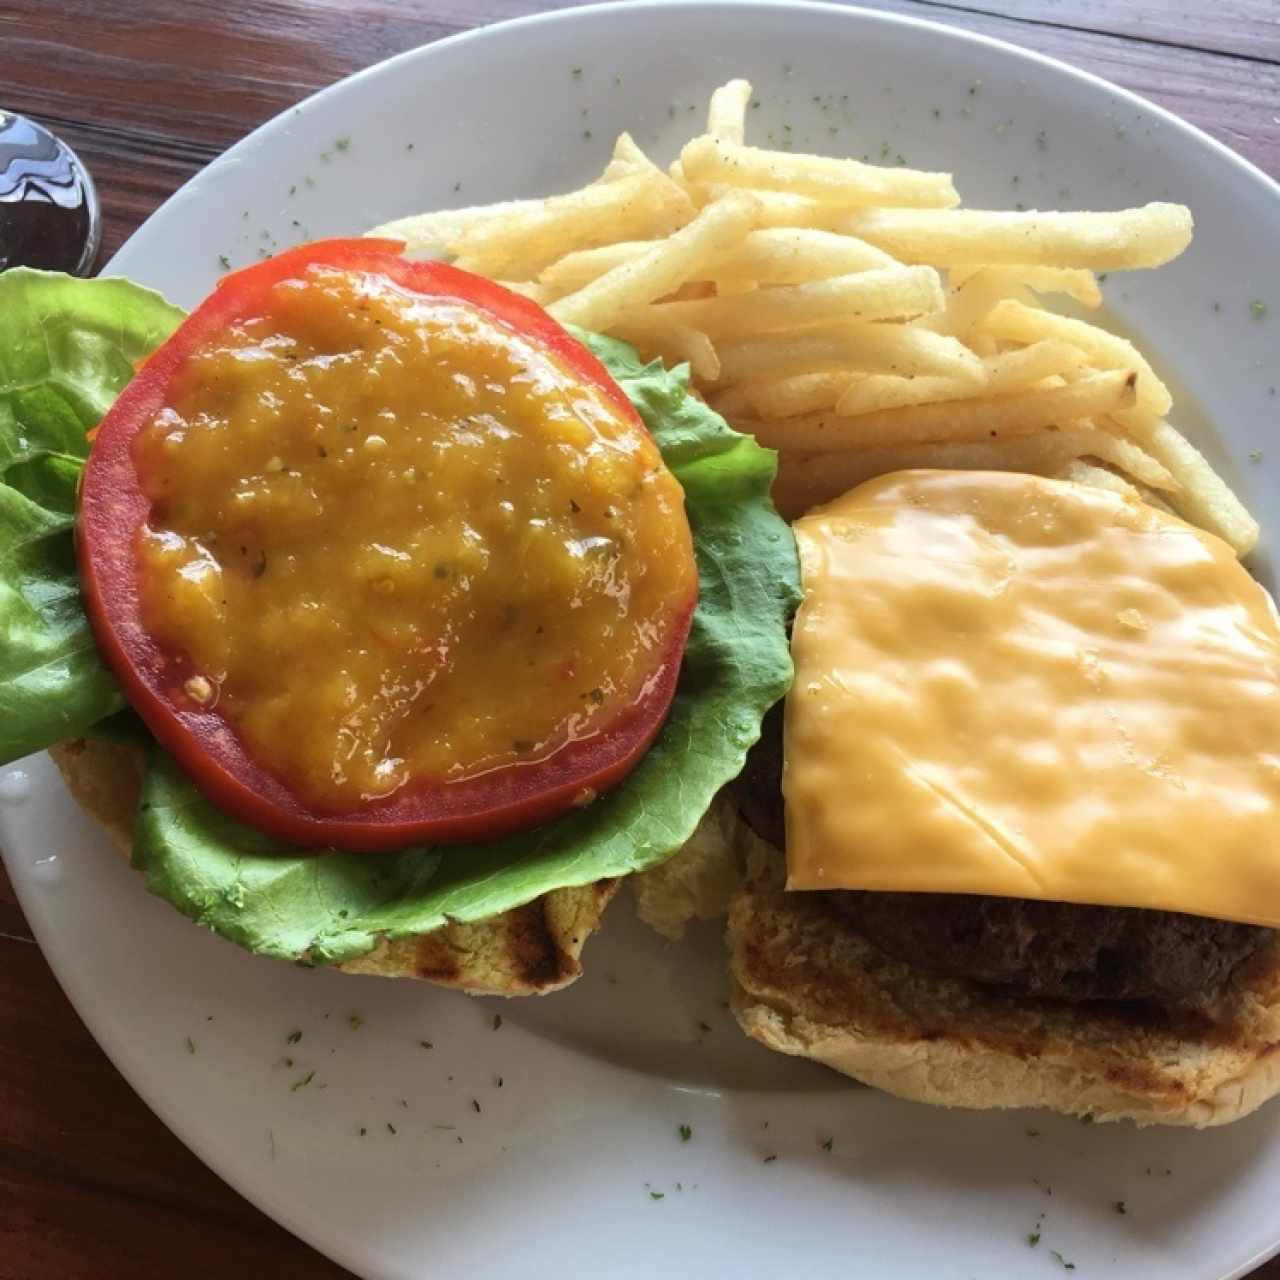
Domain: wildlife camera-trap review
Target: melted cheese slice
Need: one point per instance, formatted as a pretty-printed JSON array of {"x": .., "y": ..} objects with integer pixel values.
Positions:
[{"x": 1021, "y": 687}]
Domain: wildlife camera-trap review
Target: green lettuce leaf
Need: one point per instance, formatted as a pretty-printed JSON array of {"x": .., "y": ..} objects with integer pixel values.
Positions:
[
  {"x": 67, "y": 348},
  {"x": 328, "y": 907}
]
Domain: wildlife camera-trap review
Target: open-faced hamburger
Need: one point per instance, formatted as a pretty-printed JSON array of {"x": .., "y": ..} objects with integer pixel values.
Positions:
[
  {"x": 1031, "y": 771},
  {"x": 384, "y": 622}
]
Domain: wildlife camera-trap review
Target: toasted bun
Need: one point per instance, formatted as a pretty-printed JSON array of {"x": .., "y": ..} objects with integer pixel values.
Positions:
[
  {"x": 527, "y": 951},
  {"x": 806, "y": 985},
  {"x": 697, "y": 883}
]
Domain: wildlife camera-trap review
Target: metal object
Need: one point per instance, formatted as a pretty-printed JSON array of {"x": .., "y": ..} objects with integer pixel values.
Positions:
[{"x": 49, "y": 212}]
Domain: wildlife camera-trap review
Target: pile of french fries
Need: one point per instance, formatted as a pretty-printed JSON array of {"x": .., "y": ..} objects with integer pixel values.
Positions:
[{"x": 852, "y": 317}]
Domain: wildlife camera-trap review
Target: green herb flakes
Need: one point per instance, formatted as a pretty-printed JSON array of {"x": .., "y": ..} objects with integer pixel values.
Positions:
[{"x": 685, "y": 1131}]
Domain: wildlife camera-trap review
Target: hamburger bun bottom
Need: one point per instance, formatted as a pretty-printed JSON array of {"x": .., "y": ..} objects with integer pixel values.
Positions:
[
  {"x": 530, "y": 950},
  {"x": 805, "y": 984}
]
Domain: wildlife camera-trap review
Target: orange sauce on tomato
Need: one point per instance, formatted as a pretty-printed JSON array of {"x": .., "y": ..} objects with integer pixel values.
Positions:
[{"x": 396, "y": 540}]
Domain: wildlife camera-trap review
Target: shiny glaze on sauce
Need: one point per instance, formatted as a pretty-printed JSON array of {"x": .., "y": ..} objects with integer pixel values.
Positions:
[{"x": 398, "y": 541}]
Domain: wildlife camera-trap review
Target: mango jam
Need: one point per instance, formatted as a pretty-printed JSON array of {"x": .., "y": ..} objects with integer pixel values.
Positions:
[{"x": 395, "y": 540}]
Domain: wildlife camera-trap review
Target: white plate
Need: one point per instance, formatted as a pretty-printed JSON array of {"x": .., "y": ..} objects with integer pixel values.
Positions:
[{"x": 558, "y": 1169}]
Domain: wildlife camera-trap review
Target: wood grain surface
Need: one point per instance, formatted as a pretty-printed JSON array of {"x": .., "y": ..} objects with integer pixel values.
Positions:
[{"x": 149, "y": 91}]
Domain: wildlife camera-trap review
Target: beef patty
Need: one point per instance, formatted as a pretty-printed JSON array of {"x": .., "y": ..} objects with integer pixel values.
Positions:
[{"x": 1056, "y": 950}]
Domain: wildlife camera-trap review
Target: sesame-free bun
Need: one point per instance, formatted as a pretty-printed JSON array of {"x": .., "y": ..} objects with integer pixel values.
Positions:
[
  {"x": 806, "y": 984},
  {"x": 530, "y": 950}
]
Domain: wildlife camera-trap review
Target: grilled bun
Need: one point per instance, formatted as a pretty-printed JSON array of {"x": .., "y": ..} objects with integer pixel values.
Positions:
[
  {"x": 530, "y": 950},
  {"x": 805, "y": 984}
]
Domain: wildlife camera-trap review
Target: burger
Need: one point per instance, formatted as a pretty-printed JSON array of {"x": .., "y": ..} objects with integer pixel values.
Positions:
[
  {"x": 384, "y": 623},
  {"x": 1016, "y": 825}
]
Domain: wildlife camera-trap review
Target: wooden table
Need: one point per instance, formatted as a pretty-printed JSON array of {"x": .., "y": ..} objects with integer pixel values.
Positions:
[{"x": 149, "y": 91}]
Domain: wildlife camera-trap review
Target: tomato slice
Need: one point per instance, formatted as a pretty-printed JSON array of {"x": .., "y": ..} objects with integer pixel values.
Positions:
[{"x": 115, "y": 509}]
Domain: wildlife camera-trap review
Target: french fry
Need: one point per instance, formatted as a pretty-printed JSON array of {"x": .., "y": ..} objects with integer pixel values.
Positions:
[
  {"x": 430, "y": 234},
  {"x": 980, "y": 418},
  {"x": 1079, "y": 471},
  {"x": 968, "y": 303},
  {"x": 579, "y": 268},
  {"x": 519, "y": 245},
  {"x": 530, "y": 289},
  {"x": 1072, "y": 282},
  {"x": 691, "y": 291},
  {"x": 838, "y": 182},
  {"x": 784, "y": 397},
  {"x": 797, "y": 255},
  {"x": 727, "y": 114},
  {"x": 1019, "y": 323},
  {"x": 626, "y": 151},
  {"x": 682, "y": 256},
  {"x": 673, "y": 344},
  {"x": 1204, "y": 497},
  {"x": 1146, "y": 237},
  {"x": 619, "y": 168},
  {"x": 1131, "y": 458},
  {"x": 778, "y": 209},
  {"x": 890, "y": 391},
  {"x": 880, "y": 348},
  {"x": 731, "y": 288},
  {"x": 805, "y": 482},
  {"x": 890, "y": 293},
  {"x": 1011, "y": 370},
  {"x": 1154, "y": 499}
]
